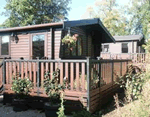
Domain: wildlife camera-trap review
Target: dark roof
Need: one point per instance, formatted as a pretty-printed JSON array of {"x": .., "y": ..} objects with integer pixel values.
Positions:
[
  {"x": 89, "y": 24},
  {"x": 129, "y": 38},
  {"x": 30, "y": 27}
]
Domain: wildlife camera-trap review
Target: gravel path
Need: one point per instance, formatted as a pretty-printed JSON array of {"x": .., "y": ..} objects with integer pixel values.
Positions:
[{"x": 7, "y": 111}]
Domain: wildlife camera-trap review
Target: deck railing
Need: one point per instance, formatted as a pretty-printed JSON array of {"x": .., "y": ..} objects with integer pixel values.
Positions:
[
  {"x": 135, "y": 57},
  {"x": 108, "y": 72},
  {"x": 87, "y": 79}
]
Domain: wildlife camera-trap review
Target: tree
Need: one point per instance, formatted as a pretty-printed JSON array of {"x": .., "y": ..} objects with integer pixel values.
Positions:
[
  {"x": 139, "y": 17},
  {"x": 29, "y": 12},
  {"x": 113, "y": 20}
]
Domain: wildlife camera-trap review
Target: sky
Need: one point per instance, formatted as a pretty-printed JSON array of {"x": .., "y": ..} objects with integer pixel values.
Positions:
[{"x": 77, "y": 11}]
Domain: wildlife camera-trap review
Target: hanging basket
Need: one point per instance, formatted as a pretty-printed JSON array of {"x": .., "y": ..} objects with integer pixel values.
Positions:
[{"x": 69, "y": 40}]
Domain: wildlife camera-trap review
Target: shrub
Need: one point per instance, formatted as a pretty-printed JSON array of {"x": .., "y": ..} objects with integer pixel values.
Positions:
[
  {"x": 22, "y": 86},
  {"x": 132, "y": 83},
  {"x": 61, "y": 108},
  {"x": 52, "y": 86}
]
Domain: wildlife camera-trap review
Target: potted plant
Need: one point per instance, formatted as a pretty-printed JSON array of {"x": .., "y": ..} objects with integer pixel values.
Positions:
[
  {"x": 70, "y": 40},
  {"x": 53, "y": 90},
  {"x": 21, "y": 87}
]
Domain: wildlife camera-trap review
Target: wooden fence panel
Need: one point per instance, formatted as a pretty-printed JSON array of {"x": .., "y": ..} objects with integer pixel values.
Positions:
[
  {"x": 22, "y": 70},
  {"x": 77, "y": 77},
  {"x": 7, "y": 73},
  {"x": 30, "y": 70},
  {"x": 26, "y": 69},
  {"x": 61, "y": 73},
  {"x": 51, "y": 70},
  {"x": 34, "y": 74},
  {"x": 72, "y": 76},
  {"x": 42, "y": 74},
  {"x": 83, "y": 78}
]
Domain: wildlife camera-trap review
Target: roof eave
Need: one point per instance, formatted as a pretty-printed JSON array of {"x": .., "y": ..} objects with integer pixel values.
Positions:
[
  {"x": 87, "y": 22},
  {"x": 100, "y": 23},
  {"x": 77, "y": 23},
  {"x": 31, "y": 27}
]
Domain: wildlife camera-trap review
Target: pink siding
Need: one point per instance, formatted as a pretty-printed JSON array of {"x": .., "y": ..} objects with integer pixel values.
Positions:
[
  {"x": 49, "y": 44},
  {"x": 57, "y": 42},
  {"x": 20, "y": 49}
]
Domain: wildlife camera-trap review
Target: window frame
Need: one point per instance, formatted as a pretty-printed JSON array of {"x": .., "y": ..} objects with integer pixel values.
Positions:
[
  {"x": 31, "y": 44},
  {"x": 122, "y": 46},
  {"x": 9, "y": 47},
  {"x": 103, "y": 48}
]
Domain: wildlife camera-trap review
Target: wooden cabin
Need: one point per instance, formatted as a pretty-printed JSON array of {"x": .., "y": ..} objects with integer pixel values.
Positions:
[
  {"x": 22, "y": 41},
  {"x": 89, "y": 80},
  {"x": 129, "y": 46}
]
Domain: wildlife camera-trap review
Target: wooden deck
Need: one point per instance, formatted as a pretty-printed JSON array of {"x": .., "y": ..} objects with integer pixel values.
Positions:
[{"x": 88, "y": 80}]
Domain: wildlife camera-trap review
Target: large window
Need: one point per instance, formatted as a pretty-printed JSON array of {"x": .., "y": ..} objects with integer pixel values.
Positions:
[
  {"x": 4, "y": 45},
  {"x": 38, "y": 46},
  {"x": 105, "y": 48},
  {"x": 124, "y": 47}
]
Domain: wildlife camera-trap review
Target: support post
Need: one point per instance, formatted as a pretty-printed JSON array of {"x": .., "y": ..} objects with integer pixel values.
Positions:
[
  {"x": 99, "y": 70},
  {"x": 88, "y": 83},
  {"x": 112, "y": 71},
  {"x": 20, "y": 68},
  {"x": 121, "y": 68},
  {"x": 38, "y": 75},
  {"x": 4, "y": 74}
]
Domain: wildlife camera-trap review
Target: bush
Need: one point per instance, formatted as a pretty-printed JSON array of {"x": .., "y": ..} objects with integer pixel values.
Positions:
[
  {"x": 22, "y": 86},
  {"x": 52, "y": 86},
  {"x": 132, "y": 83}
]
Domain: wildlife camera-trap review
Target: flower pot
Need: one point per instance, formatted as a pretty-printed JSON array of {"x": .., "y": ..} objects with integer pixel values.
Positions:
[
  {"x": 35, "y": 104},
  {"x": 51, "y": 109},
  {"x": 20, "y": 104}
]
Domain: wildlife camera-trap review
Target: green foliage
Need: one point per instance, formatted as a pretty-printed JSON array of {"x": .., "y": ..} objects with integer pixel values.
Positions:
[
  {"x": 132, "y": 83},
  {"x": 69, "y": 39},
  {"x": 110, "y": 15},
  {"x": 52, "y": 86},
  {"x": 29, "y": 12},
  {"x": 147, "y": 46},
  {"x": 22, "y": 86},
  {"x": 61, "y": 109},
  {"x": 139, "y": 17}
]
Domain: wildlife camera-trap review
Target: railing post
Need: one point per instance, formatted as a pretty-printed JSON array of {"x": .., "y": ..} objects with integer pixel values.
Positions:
[
  {"x": 121, "y": 68},
  {"x": 99, "y": 70},
  {"x": 38, "y": 75},
  {"x": 4, "y": 73},
  {"x": 88, "y": 83},
  {"x": 112, "y": 71}
]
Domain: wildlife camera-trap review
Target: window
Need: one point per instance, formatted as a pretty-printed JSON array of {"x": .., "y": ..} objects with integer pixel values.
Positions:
[
  {"x": 75, "y": 50},
  {"x": 38, "y": 46},
  {"x": 124, "y": 47},
  {"x": 105, "y": 48},
  {"x": 4, "y": 45}
]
